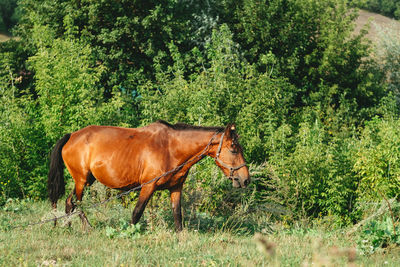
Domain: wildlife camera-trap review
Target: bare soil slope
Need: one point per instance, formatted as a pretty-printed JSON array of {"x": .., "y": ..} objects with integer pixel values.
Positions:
[{"x": 378, "y": 23}]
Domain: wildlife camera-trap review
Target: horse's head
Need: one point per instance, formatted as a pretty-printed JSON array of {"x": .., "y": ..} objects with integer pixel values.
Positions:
[{"x": 229, "y": 157}]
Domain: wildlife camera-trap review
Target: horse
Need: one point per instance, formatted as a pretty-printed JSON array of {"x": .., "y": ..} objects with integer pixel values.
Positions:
[{"x": 124, "y": 158}]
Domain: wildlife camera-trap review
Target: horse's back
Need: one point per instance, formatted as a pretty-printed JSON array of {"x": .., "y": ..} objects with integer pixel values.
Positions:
[{"x": 108, "y": 135}]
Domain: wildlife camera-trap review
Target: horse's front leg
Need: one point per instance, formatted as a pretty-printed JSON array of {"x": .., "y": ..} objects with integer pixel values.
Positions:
[
  {"x": 145, "y": 194},
  {"x": 176, "y": 194}
]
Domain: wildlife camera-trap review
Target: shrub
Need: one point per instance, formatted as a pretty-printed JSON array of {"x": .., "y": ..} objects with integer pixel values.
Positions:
[
  {"x": 377, "y": 159},
  {"x": 23, "y": 148},
  {"x": 315, "y": 179}
]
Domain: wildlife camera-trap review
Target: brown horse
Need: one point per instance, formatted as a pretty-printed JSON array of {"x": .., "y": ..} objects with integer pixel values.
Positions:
[{"x": 124, "y": 158}]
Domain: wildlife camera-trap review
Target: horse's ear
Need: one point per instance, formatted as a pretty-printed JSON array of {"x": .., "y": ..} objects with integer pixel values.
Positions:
[{"x": 230, "y": 130}]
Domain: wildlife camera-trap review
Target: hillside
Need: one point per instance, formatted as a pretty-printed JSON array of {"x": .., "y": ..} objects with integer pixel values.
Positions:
[{"x": 378, "y": 22}]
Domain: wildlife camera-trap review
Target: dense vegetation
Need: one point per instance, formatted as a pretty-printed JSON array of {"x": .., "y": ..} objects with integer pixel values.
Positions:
[
  {"x": 318, "y": 115},
  {"x": 390, "y": 8},
  {"x": 8, "y": 15}
]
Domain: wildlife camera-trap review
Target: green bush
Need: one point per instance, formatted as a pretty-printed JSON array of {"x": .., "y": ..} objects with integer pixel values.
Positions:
[
  {"x": 315, "y": 180},
  {"x": 389, "y": 8},
  {"x": 8, "y": 15},
  {"x": 377, "y": 159},
  {"x": 23, "y": 149}
]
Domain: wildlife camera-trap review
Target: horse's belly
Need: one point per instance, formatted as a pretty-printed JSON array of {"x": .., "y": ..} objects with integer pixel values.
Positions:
[{"x": 111, "y": 176}]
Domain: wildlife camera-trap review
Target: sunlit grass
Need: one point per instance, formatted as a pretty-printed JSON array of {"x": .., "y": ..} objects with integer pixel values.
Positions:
[{"x": 204, "y": 242}]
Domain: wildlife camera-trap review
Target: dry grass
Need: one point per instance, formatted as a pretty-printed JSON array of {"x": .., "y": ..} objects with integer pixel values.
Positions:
[{"x": 378, "y": 22}]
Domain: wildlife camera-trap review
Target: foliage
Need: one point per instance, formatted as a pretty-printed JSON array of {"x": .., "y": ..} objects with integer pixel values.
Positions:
[
  {"x": 389, "y": 8},
  {"x": 230, "y": 90},
  {"x": 311, "y": 41},
  {"x": 377, "y": 235},
  {"x": 388, "y": 52},
  {"x": 125, "y": 230},
  {"x": 377, "y": 154},
  {"x": 215, "y": 87},
  {"x": 13, "y": 69},
  {"x": 316, "y": 180},
  {"x": 377, "y": 160},
  {"x": 8, "y": 15},
  {"x": 67, "y": 97},
  {"x": 124, "y": 36},
  {"x": 66, "y": 86},
  {"x": 20, "y": 174},
  {"x": 313, "y": 44}
]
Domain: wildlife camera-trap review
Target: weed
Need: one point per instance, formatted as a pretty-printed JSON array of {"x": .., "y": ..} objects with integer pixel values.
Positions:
[
  {"x": 377, "y": 235},
  {"x": 125, "y": 230}
]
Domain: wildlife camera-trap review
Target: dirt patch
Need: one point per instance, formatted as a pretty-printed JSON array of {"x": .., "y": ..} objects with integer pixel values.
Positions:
[
  {"x": 4, "y": 37},
  {"x": 378, "y": 23}
]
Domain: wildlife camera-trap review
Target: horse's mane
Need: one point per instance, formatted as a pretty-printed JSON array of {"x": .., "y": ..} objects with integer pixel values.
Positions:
[{"x": 187, "y": 127}]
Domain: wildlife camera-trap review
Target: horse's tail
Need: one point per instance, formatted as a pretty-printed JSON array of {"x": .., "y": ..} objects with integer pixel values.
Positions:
[{"x": 55, "y": 182}]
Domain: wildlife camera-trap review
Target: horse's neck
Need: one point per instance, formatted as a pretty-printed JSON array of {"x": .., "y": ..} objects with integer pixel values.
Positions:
[{"x": 192, "y": 143}]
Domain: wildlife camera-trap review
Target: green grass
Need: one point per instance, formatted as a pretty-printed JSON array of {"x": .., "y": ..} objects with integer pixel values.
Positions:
[{"x": 206, "y": 241}]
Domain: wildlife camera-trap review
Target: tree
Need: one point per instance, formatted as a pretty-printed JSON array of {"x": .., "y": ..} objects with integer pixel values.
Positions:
[
  {"x": 8, "y": 15},
  {"x": 314, "y": 47},
  {"x": 125, "y": 36}
]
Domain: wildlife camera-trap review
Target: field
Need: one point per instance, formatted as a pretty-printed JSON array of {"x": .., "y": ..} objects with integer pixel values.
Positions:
[{"x": 203, "y": 242}]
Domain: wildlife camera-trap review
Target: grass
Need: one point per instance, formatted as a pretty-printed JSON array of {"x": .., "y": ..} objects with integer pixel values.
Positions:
[{"x": 205, "y": 241}]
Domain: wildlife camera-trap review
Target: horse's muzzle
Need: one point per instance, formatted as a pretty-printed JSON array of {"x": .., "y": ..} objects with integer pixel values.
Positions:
[
  {"x": 238, "y": 182},
  {"x": 246, "y": 182}
]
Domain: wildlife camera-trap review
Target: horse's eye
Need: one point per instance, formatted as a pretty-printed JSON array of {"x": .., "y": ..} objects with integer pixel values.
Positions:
[{"x": 233, "y": 149}]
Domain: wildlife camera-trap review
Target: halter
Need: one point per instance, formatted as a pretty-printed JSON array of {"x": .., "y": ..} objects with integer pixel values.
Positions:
[{"x": 231, "y": 168}]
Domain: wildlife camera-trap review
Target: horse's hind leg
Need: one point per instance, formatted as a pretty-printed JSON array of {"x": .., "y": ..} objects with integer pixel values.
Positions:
[
  {"x": 80, "y": 181},
  {"x": 79, "y": 195},
  {"x": 69, "y": 205}
]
